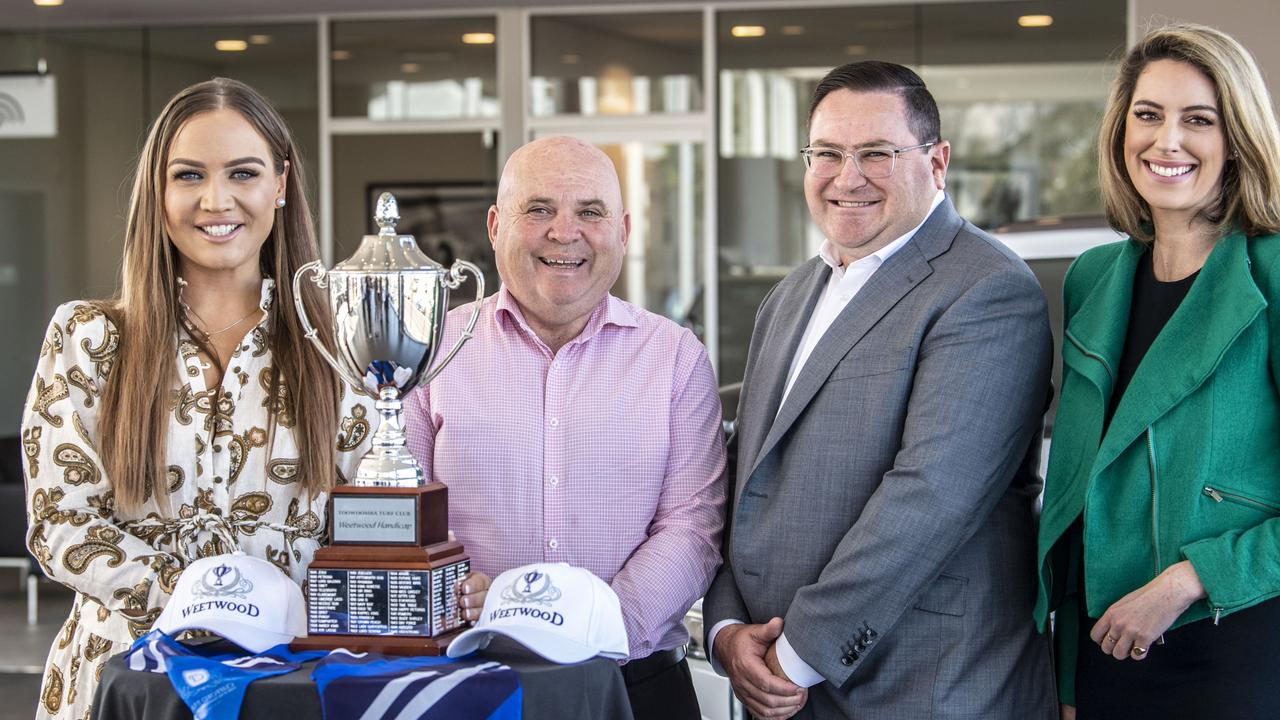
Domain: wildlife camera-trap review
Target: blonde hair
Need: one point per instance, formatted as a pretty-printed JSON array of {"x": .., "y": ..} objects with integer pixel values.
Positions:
[
  {"x": 1250, "y": 195},
  {"x": 135, "y": 402}
]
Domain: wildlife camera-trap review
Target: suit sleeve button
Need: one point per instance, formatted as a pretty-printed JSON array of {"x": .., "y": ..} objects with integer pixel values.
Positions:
[{"x": 846, "y": 661}]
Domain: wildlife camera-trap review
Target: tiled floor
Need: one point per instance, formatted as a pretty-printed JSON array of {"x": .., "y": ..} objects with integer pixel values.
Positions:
[{"x": 23, "y": 647}]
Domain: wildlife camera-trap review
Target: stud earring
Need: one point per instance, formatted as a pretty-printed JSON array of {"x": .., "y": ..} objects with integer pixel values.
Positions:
[{"x": 279, "y": 202}]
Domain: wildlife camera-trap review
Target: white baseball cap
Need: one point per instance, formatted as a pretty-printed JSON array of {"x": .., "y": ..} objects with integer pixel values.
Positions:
[
  {"x": 245, "y": 599},
  {"x": 563, "y": 613}
]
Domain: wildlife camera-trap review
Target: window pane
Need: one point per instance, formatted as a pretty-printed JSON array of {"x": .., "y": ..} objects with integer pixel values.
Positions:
[
  {"x": 442, "y": 68},
  {"x": 633, "y": 64},
  {"x": 1020, "y": 107},
  {"x": 662, "y": 189}
]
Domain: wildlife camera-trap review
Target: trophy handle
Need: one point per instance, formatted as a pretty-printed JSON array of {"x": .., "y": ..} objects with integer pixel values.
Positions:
[
  {"x": 321, "y": 280},
  {"x": 455, "y": 280}
]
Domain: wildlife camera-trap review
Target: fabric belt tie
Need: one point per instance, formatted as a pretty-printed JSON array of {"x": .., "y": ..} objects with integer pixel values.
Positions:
[
  {"x": 637, "y": 671},
  {"x": 188, "y": 530}
]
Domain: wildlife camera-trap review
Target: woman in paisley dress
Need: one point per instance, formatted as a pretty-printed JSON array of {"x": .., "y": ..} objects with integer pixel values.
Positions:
[{"x": 188, "y": 416}]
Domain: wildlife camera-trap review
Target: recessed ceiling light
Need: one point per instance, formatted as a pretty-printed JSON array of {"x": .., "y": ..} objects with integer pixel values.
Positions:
[
  {"x": 478, "y": 38},
  {"x": 231, "y": 45},
  {"x": 410, "y": 67},
  {"x": 1035, "y": 21},
  {"x": 792, "y": 29},
  {"x": 259, "y": 39},
  {"x": 747, "y": 31},
  {"x": 855, "y": 49},
  {"x": 47, "y": 3},
  {"x": 340, "y": 55},
  {"x": 570, "y": 59}
]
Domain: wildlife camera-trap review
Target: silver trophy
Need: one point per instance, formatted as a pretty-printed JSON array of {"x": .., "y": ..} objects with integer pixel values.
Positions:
[{"x": 389, "y": 302}]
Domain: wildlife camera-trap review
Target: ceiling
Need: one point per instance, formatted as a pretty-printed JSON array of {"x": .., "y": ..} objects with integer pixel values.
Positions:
[{"x": 23, "y": 14}]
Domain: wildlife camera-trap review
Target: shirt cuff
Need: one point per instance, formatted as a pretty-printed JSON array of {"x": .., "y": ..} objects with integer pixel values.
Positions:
[
  {"x": 711, "y": 645},
  {"x": 795, "y": 668}
]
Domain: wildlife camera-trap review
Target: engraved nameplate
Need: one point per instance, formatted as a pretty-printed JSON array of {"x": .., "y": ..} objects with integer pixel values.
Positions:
[
  {"x": 420, "y": 603},
  {"x": 375, "y": 519}
]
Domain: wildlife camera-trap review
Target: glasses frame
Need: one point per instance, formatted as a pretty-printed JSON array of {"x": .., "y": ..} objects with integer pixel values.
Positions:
[{"x": 807, "y": 153}]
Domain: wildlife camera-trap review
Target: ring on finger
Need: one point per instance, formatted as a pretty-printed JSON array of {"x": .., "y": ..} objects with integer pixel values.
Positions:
[
  {"x": 1111, "y": 638},
  {"x": 1137, "y": 653}
]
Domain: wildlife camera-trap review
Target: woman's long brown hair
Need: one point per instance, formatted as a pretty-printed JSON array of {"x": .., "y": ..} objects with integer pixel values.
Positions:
[{"x": 136, "y": 399}]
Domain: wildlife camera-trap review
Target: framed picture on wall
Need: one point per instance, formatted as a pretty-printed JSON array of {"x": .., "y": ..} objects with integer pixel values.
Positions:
[{"x": 448, "y": 221}]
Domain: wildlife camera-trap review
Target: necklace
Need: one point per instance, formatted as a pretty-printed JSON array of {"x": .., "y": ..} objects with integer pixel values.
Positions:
[{"x": 208, "y": 336}]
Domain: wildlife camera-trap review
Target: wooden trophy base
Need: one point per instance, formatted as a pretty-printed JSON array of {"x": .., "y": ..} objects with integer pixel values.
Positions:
[
  {"x": 395, "y": 600},
  {"x": 393, "y": 645}
]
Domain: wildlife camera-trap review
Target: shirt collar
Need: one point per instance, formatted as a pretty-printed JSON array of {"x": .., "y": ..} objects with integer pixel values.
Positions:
[
  {"x": 267, "y": 294},
  {"x": 831, "y": 257},
  {"x": 609, "y": 311}
]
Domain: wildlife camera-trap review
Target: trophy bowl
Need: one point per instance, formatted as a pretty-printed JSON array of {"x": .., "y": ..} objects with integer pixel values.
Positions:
[{"x": 388, "y": 302}]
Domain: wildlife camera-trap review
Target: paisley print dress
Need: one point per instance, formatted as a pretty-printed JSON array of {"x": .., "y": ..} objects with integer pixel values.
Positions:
[{"x": 231, "y": 485}]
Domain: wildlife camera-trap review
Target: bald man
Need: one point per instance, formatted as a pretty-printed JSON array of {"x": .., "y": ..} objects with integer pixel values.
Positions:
[{"x": 576, "y": 427}]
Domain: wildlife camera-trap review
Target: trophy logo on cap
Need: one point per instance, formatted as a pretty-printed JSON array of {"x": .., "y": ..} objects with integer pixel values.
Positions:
[
  {"x": 388, "y": 581},
  {"x": 531, "y": 587},
  {"x": 239, "y": 585}
]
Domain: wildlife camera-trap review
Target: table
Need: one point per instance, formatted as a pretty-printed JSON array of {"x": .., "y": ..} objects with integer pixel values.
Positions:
[{"x": 593, "y": 689}]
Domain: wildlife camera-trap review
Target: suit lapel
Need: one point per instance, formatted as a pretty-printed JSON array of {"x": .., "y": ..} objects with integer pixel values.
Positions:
[
  {"x": 902, "y": 272},
  {"x": 777, "y": 351},
  {"x": 1222, "y": 302}
]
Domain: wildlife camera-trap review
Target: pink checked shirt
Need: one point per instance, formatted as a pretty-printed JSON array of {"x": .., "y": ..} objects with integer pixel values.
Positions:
[{"x": 606, "y": 455}]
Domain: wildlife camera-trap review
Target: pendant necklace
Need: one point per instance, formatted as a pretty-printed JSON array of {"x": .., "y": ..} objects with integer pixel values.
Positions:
[{"x": 208, "y": 336}]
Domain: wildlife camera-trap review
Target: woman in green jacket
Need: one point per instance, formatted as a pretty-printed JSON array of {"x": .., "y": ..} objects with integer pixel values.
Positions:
[{"x": 1159, "y": 546}]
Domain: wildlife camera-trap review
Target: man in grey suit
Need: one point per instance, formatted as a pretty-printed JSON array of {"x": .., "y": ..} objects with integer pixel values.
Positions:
[{"x": 880, "y": 553}]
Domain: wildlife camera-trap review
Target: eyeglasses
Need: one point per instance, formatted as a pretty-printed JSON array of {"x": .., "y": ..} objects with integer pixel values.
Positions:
[{"x": 872, "y": 162}]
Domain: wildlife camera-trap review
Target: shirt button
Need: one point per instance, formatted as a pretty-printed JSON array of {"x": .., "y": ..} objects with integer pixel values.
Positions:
[
  {"x": 554, "y": 481},
  {"x": 553, "y": 543},
  {"x": 555, "y": 422},
  {"x": 556, "y": 364},
  {"x": 217, "y": 479}
]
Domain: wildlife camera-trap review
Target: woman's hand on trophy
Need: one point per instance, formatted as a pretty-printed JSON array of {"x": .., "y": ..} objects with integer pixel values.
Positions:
[{"x": 471, "y": 593}]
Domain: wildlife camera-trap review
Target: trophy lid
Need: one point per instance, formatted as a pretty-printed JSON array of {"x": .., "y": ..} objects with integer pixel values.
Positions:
[{"x": 388, "y": 251}]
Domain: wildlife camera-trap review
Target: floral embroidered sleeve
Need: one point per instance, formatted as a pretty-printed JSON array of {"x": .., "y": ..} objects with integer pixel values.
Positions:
[{"x": 74, "y": 532}]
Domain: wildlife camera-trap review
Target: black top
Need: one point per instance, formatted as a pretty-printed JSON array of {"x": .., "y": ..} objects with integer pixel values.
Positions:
[{"x": 1154, "y": 302}]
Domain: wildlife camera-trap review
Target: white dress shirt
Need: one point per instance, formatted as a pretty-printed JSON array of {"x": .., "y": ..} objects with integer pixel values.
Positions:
[{"x": 843, "y": 285}]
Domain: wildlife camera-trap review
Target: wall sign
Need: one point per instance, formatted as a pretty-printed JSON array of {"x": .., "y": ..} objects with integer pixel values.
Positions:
[{"x": 28, "y": 106}]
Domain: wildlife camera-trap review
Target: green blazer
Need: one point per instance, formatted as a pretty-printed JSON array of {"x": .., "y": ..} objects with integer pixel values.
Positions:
[{"x": 1189, "y": 468}]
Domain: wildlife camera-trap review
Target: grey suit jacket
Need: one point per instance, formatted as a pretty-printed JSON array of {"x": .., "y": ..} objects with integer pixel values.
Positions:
[{"x": 886, "y": 511}]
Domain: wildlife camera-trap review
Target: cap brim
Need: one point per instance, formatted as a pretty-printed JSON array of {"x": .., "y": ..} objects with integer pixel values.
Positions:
[
  {"x": 469, "y": 641},
  {"x": 551, "y": 646},
  {"x": 253, "y": 639}
]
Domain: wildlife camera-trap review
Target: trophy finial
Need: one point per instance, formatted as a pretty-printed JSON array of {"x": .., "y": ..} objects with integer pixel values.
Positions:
[{"x": 387, "y": 214}]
